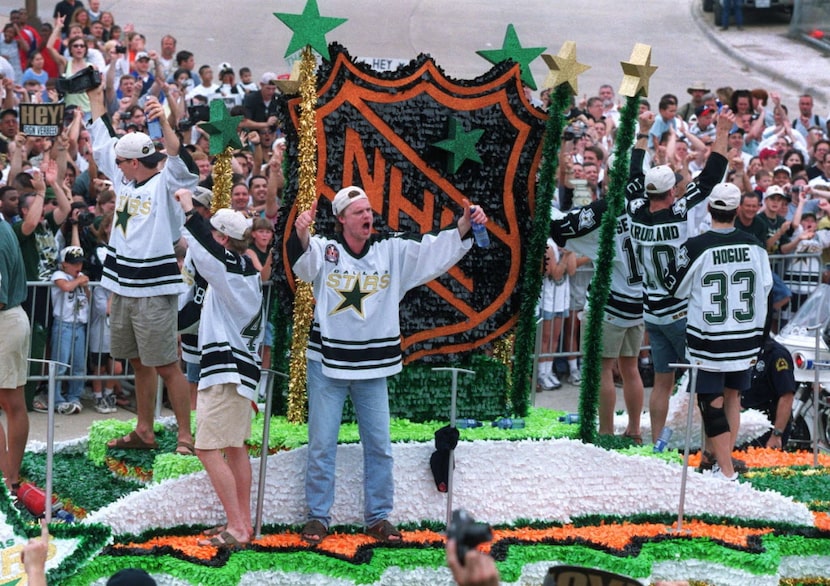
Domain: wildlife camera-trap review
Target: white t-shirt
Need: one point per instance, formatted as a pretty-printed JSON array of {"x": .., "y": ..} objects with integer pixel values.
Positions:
[{"x": 69, "y": 306}]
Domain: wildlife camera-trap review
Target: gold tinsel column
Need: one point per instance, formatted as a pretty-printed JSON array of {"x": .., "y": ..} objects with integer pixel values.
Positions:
[
  {"x": 306, "y": 194},
  {"x": 222, "y": 179}
]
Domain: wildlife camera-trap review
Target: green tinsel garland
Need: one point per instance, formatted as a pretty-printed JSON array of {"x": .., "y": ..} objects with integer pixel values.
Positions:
[
  {"x": 532, "y": 281},
  {"x": 601, "y": 283}
]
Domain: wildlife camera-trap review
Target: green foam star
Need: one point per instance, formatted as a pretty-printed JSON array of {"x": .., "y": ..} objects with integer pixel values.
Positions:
[
  {"x": 222, "y": 128},
  {"x": 460, "y": 144},
  {"x": 512, "y": 49},
  {"x": 309, "y": 29}
]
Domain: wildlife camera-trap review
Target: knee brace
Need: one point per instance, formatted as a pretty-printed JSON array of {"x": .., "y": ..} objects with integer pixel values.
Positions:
[{"x": 714, "y": 418}]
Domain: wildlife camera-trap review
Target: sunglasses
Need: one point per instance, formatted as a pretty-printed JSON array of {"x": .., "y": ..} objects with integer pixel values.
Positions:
[
  {"x": 78, "y": 46},
  {"x": 120, "y": 161}
]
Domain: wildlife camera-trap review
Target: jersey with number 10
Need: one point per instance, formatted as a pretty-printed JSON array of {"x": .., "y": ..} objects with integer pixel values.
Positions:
[
  {"x": 727, "y": 277},
  {"x": 657, "y": 235}
]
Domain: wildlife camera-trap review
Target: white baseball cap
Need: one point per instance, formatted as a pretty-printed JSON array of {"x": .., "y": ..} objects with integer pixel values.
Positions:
[
  {"x": 230, "y": 223},
  {"x": 345, "y": 197},
  {"x": 725, "y": 196},
  {"x": 659, "y": 180},
  {"x": 137, "y": 145}
]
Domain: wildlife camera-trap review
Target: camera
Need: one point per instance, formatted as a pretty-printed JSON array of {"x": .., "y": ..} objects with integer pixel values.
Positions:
[
  {"x": 121, "y": 49},
  {"x": 198, "y": 113},
  {"x": 85, "y": 218},
  {"x": 573, "y": 131},
  {"x": 467, "y": 533},
  {"x": 795, "y": 189},
  {"x": 86, "y": 78}
]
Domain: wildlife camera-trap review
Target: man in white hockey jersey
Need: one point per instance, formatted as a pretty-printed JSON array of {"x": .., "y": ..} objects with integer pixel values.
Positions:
[
  {"x": 359, "y": 279},
  {"x": 725, "y": 275},
  {"x": 230, "y": 333},
  {"x": 140, "y": 268}
]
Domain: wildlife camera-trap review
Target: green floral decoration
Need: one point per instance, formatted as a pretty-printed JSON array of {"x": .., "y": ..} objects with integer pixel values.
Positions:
[
  {"x": 601, "y": 282},
  {"x": 526, "y": 329}
]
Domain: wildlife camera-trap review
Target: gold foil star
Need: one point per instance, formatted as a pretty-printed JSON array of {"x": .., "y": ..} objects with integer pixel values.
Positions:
[
  {"x": 291, "y": 85},
  {"x": 637, "y": 71},
  {"x": 564, "y": 68}
]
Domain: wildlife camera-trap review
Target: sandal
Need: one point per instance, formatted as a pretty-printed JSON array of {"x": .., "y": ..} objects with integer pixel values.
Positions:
[
  {"x": 132, "y": 441},
  {"x": 635, "y": 438},
  {"x": 224, "y": 540},
  {"x": 214, "y": 531},
  {"x": 384, "y": 531},
  {"x": 40, "y": 404},
  {"x": 184, "y": 448},
  {"x": 314, "y": 532}
]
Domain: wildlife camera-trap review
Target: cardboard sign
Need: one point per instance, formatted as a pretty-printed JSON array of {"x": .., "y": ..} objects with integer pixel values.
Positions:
[
  {"x": 578, "y": 576},
  {"x": 41, "y": 119}
]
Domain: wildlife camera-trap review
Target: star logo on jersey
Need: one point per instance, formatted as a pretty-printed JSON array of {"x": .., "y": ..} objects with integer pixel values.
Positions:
[
  {"x": 679, "y": 207},
  {"x": 587, "y": 219},
  {"x": 352, "y": 299},
  {"x": 122, "y": 218},
  {"x": 682, "y": 258},
  {"x": 636, "y": 205}
]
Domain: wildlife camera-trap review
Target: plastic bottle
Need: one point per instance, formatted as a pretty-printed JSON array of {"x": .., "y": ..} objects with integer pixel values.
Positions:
[
  {"x": 467, "y": 423},
  {"x": 65, "y": 516},
  {"x": 154, "y": 129},
  {"x": 508, "y": 423},
  {"x": 480, "y": 234},
  {"x": 570, "y": 418},
  {"x": 663, "y": 440}
]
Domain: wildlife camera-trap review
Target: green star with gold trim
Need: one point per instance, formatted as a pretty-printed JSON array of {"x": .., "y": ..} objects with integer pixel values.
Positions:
[
  {"x": 512, "y": 49},
  {"x": 353, "y": 299},
  {"x": 309, "y": 29},
  {"x": 460, "y": 144},
  {"x": 222, "y": 128},
  {"x": 122, "y": 218}
]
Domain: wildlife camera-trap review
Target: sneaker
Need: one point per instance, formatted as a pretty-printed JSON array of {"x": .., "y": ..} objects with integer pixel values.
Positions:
[
  {"x": 40, "y": 403},
  {"x": 543, "y": 384},
  {"x": 102, "y": 405},
  {"x": 111, "y": 400},
  {"x": 718, "y": 473},
  {"x": 554, "y": 380},
  {"x": 65, "y": 408},
  {"x": 69, "y": 407},
  {"x": 575, "y": 378}
]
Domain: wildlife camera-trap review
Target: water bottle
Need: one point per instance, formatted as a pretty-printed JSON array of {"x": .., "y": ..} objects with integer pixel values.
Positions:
[
  {"x": 480, "y": 234},
  {"x": 508, "y": 423},
  {"x": 663, "y": 440},
  {"x": 570, "y": 418},
  {"x": 154, "y": 129},
  {"x": 467, "y": 423}
]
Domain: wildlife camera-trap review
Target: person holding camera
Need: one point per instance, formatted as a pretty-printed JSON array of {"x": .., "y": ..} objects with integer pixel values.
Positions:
[
  {"x": 76, "y": 63},
  {"x": 140, "y": 268}
]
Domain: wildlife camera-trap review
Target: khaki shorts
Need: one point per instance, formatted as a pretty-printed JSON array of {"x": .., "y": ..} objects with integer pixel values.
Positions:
[
  {"x": 223, "y": 418},
  {"x": 616, "y": 340},
  {"x": 144, "y": 328},
  {"x": 14, "y": 347}
]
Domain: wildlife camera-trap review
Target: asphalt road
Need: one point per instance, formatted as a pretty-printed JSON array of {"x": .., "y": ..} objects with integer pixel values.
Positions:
[{"x": 245, "y": 32}]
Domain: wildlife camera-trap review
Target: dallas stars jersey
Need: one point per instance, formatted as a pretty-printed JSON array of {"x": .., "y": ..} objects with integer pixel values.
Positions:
[
  {"x": 356, "y": 332},
  {"x": 657, "y": 235},
  {"x": 140, "y": 260},
  {"x": 231, "y": 327},
  {"x": 727, "y": 277},
  {"x": 580, "y": 229},
  {"x": 190, "y": 309}
]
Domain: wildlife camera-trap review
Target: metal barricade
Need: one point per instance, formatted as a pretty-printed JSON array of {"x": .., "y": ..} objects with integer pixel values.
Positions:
[
  {"x": 800, "y": 273},
  {"x": 96, "y": 366}
]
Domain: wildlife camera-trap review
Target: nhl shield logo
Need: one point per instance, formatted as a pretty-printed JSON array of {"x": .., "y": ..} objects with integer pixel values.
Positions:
[
  {"x": 332, "y": 254},
  {"x": 421, "y": 144}
]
